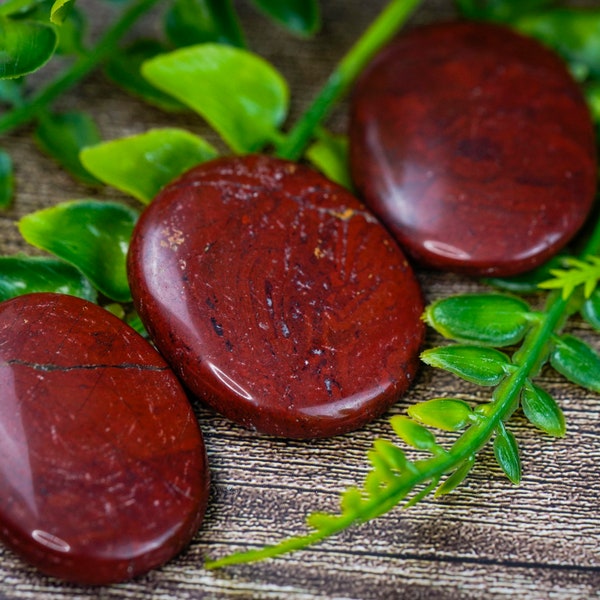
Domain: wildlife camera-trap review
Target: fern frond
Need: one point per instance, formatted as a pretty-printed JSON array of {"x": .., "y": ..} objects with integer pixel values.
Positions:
[{"x": 579, "y": 272}]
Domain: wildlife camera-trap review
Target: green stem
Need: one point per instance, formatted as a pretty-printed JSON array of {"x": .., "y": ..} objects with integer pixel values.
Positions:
[
  {"x": 379, "y": 33},
  {"x": 78, "y": 70}
]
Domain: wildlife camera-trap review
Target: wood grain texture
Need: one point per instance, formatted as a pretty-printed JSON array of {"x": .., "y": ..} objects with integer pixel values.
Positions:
[{"x": 489, "y": 539}]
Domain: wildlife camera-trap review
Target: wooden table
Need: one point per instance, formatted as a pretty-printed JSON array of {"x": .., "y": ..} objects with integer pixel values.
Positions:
[{"x": 489, "y": 539}]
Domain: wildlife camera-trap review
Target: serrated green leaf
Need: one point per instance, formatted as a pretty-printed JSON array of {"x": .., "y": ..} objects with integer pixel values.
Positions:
[
  {"x": 590, "y": 309},
  {"x": 7, "y": 179},
  {"x": 449, "y": 414},
  {"x": 572, "y": 32},
  {"x": 25, "y": 46},
  {"x": 190, "y": 22},
  {"x": 63, "y": 136},
  {"x": 506, "y": 452},
  {"x": 27, "y": 274},
  {"x": 124, "y": 68},
  {"x": 91, "y": 235},
  {"x": 246, "y": 110},
  {"x": 577, "y": 361},
  {"x": 391, "y": 454},
  {"x": 456, "y": 478},
  {"x": 542, "y": 411},
  {"x": 412, "y": 433},
  {"x": 579, "y": 272},
  {"x": 477, "y": 364},
  {"x": 490, "y": 319},
  {"x": 160, "y": 154},
  {"x": 60, "y": 9},
  {"x": 298, "y": 16},
  {"x": 329, "y": 154}
]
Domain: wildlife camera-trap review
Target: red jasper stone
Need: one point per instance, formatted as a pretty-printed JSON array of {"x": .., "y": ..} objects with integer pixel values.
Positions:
[
  {"x": 103, "y": 472},
  {"x": 277, "y": 297},
  {"x": 475, "y": 146}
]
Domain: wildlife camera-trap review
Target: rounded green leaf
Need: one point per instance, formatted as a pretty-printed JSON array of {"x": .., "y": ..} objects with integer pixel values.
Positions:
[
  {"x": 63, "y": 136},
  {"x": 25, "y": 46},
  {"x": 190, "y": 22},
  {"x": 7, "y": 179},
  {"x": 590, "y": 310},
  {"x": 506, "y": 452},
  {"x": 124, "y": 68},
  {"x": 477, "y": 364},
  {"x": 412, "y": 433},
  {"x": 577, "y": 361},
  {"x": 574, "y": 33},
  {"x": 27, "y": 274},
  {"x": 489, "y": 319},
  {"x": 542, "y": 411},
  {"x": 238, "y": 93},
  {"x": 60, "y": 9},
  {"x": 298, "y": 16},
  {"x": 91, "y": 235},
  {"x": 449, "y": 414},
  {"x": 141, "y": 165},
  {"x": 329, "y": 154}
]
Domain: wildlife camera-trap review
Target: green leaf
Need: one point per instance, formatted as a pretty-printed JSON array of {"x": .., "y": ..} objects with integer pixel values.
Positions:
[
  {"x": 190, "y": 22},
  {"x": 412, "y": 433},
  {"x": 592, "y": 94},
  {"x": 63, "y": 136},
  {"x": 11, "y": 91},
  {"x": 160, "y": 155},
  {"x": 456, "y": 478},
  {"x": 590, "y": 310},
  {"x": 542, "y": 411},
  {"x": 506, "y": 452},
  {"x": 71, "y": 33},
  {"x": 18, "y": 8},
  {"x": 91, "y": 235},
  {"x": 124, "y": 68},
  {"x": 576, "y": 361},
  {"x": 7, "y": 179},
  {"x": 245, "y": 109},
  {"x": 329, "y": 154},
  {"x": 480, "y": 365},
  {"x": 299, "y": 16},
  {"x": 351, "y": 500},
  {"x": 489, "y": 319},
  {"x": 573, "y": 33},
  {"x": 498, "y": 10},
  {"x": 449, "y": 414},
  {"x": 391, "y": 454},
  {"x": 27, "y": 274},
  {"x": 60, "y": 10},
  {"x": 578, "y": 272},
  {"x": 25, "y": 46},
  {"x": 526, "y": 283}
]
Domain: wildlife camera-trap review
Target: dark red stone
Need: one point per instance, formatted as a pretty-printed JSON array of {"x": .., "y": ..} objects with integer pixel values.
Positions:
[
  {"x": 277, "y": 297},
  {"x": 103, "y": 472},
  {"x": 475, "y": 146}
]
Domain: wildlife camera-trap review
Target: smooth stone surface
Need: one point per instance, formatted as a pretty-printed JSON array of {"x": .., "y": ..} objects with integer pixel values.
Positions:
[
  {"x": 475, "y": 147},
  {"x": 103, "y": 472},
  {"x": 277, "y": 297}
]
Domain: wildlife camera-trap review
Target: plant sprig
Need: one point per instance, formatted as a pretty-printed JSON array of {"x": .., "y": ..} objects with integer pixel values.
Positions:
[{"x": 479, "y": 324}]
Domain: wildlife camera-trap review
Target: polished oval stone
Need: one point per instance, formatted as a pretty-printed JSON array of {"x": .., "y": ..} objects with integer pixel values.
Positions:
[
  {"x": 475, "y": 146},
  {"x": 103, "y": 471},
  {"x": 277, "y": 297}
]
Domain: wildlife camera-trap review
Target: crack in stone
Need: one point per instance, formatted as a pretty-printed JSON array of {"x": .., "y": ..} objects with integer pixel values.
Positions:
[{"x": 52, "y": 367}]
